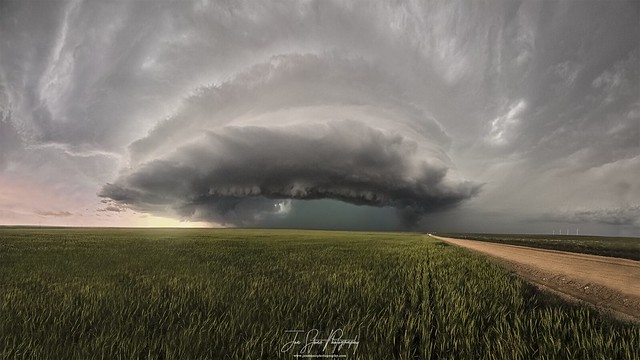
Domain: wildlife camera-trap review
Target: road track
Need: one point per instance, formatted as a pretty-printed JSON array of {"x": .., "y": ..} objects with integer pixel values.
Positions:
[{"x": 607, "y": 283}]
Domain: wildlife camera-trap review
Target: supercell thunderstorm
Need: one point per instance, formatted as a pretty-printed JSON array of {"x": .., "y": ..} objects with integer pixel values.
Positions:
[{"x": 499, "y": 115}]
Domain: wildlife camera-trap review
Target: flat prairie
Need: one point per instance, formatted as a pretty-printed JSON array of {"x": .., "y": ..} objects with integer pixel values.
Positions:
[{"x": 74, "y": 293}]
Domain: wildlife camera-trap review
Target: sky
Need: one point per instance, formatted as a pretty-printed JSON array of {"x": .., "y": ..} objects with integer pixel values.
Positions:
[{"x": 468, "y": 116}]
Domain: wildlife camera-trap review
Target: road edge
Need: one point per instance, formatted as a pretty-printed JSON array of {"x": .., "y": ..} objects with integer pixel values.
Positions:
[{"x": 526, "y": 273}]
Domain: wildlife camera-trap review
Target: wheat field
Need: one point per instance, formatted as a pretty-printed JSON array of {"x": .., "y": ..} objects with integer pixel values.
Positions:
[{"x": 243, "y": 294}]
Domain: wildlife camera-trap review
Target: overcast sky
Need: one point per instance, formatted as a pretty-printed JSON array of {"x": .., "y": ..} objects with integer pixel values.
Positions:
[{"x": 500, "y": 116}]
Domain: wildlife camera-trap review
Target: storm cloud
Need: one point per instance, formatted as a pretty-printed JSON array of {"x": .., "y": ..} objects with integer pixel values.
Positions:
[
  {"x": 618, "y": 216},
  {"x": 228, "y": 175},
  {"x": 456, "y": 115}
]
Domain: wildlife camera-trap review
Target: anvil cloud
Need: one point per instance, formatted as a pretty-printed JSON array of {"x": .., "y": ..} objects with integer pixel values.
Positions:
[{"x": 470, "y": 116}]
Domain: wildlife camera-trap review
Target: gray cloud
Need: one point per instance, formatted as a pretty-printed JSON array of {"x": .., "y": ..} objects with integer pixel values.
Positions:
[
  {"x": 537, "y": 100},
  {"x": 616, "y": 216},
  {"x": 234, "y": 174},
  {"x": 53, "y": 213},
  {"x": 292, "y": 89},
  {"x": 393, "y": 152},
  {"x": 10, "y": 143}
]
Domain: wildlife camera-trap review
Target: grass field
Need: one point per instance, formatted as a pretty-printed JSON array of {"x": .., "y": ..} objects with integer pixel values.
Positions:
[
  {"x": 233, "y": 294},
  {"x": 621, "y": 247}
]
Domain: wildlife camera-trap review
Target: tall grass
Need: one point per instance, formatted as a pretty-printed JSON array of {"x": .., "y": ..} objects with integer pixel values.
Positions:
[{"x": 232, "y": 294}]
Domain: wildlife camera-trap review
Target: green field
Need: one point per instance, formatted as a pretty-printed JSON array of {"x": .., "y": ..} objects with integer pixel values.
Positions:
[
  {"x": 233, "y": 294},
  {"x": 621, "y": 247}
]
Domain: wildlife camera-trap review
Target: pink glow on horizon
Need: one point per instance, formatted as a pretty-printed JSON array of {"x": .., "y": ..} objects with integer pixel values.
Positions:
[{"x": 25, "y": 202}]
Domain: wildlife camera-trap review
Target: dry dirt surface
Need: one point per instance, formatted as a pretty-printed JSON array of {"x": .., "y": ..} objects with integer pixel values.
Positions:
[{"x": 609, "y": 284}]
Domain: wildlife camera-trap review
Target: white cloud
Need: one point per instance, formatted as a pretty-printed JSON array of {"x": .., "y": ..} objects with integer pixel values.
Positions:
[{"x": 504, "y": 127}]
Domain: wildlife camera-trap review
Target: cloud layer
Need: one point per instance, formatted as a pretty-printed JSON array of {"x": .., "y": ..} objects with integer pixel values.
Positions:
[
  {"x": 236, "y": 174},
  {"x": 241, "y": 112}
]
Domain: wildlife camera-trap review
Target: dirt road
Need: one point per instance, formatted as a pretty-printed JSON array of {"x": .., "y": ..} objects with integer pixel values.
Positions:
[{"x": 610, "y": 284}]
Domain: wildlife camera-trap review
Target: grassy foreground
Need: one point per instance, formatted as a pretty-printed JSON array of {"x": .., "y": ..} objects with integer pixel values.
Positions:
[
  {"x": 621, "y": 247},
  {"x": 233, "y": 294}
]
